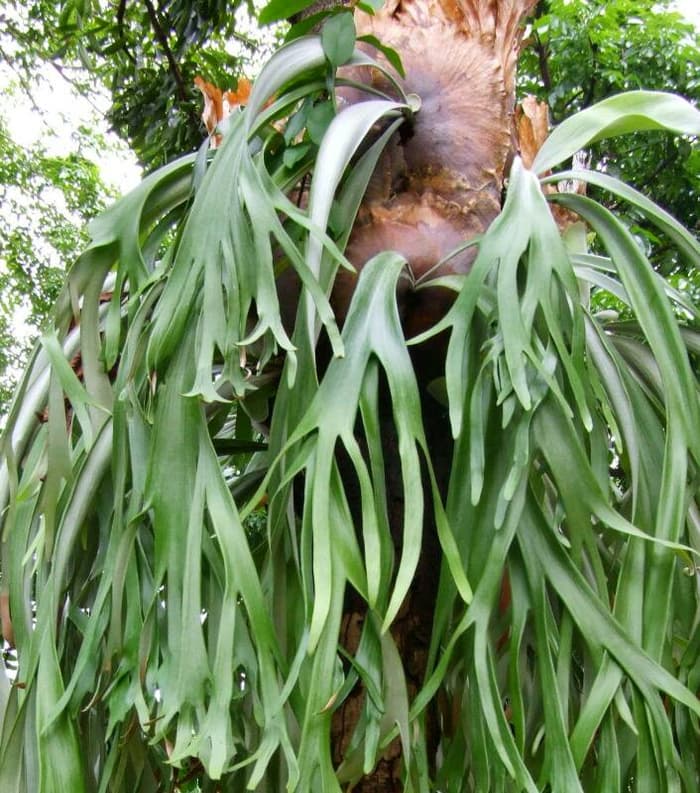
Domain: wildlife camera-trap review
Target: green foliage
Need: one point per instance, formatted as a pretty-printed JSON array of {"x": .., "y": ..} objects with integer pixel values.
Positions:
[
  {"x": 46, "y": 199},
  {"x": 278, "y": 10},
  {"x": 163, "y": 645},
  {"x": 155, "y": 106},
  {"x": 338, "y": 39},
  {"x": 45, "y": 202},
  {"x": 580, "y": 53}
]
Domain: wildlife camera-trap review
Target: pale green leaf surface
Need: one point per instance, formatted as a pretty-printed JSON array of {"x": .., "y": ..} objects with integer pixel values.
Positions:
[{"x": 633, "y": 111}]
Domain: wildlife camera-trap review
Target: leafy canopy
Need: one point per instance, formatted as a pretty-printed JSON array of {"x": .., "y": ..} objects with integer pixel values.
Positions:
[{"x": 579, "y": 54}]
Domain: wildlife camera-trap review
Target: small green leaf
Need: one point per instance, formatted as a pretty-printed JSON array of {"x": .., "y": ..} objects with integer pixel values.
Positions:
[
  {"x": 306, "y": 26},
  {"x": 338, "y": 39},
  {"x": 293, "y": 154},
  {"x": 297, "y": 122},
  {"x": 319, "y": 119}
]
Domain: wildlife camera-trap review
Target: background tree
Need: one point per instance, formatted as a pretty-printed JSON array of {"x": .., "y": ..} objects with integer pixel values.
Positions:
[
  {"x": 45, "y": 202},
  {"x": 145, "y": 54},
  {"x": 144, "y": 59}
]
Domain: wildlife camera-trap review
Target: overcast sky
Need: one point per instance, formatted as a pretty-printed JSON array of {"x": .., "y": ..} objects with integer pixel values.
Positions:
[{"x": 691, "y": 8}]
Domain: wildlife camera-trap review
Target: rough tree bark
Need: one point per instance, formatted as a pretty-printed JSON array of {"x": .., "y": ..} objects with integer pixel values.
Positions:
[{"x": 436, "y": 186}]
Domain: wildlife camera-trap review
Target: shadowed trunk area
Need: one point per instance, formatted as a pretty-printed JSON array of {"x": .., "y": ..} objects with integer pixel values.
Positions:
[
  {"x": 412, "y": 628},
  {"x": 437, "y": 185}
]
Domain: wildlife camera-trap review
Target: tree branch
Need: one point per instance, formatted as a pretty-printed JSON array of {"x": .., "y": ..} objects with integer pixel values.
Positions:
[
  {"x": 646, "y": 187},
  {"x": 77, "y": 87},
  {"x": 121, "y": 10},
  {"x": 543, "y": 61},
  {"x": 564, "y": 111},
  {"x": 317, "y": 8},
  {"x": 163, "y": 40},
  {"x": 594, "y": 72}
]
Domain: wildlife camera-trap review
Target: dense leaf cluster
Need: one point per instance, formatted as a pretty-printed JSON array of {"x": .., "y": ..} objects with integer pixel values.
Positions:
[
  {"x": 145, "y": 56},
  {"x": 171, "y": 635}
]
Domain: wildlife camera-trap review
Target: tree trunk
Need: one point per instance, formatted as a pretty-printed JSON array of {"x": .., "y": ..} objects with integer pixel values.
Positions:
[{"x": 435, "y": 187}]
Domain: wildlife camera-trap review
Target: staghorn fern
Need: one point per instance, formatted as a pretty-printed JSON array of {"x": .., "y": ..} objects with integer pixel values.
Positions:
[{"x": 162, "y": 645}]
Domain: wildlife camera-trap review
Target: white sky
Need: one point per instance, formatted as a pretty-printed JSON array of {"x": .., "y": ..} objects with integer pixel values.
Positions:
[{"x": 690, "y": 9}]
